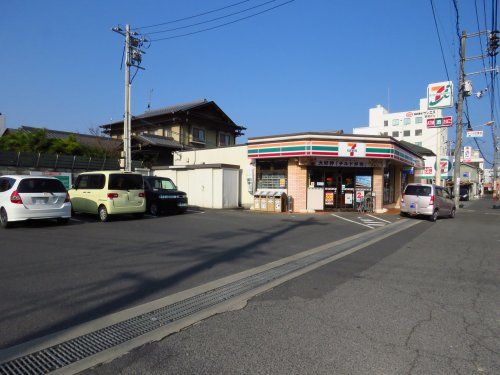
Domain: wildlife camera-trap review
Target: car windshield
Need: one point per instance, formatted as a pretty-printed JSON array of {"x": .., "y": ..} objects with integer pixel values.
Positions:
[
  {"x": 418, "y": 190},
  {"x": 41, "y": 185},
  {"x": 162, "y": 183},
  {"x": 121, "y": 181}
]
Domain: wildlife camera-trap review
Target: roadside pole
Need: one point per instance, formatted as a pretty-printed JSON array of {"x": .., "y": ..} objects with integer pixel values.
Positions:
[
  {"x": 438, "y": 157},
  {"x": 126, "y": 119},
  {"x": 460, "y": 104}
]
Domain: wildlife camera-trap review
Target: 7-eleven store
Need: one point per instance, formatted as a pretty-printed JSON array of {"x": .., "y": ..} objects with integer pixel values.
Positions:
[{"x": 333, "y": 171}]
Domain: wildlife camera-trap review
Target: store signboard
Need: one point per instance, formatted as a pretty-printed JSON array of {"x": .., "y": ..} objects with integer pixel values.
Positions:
[
  {"x": 429, "y": 169},
  {"x": 440, "y": 122},
  {"x": 467, "y": 154},
  {"x": 440, "y": 95},
  {"x": 352, "y": 149},
  {"x": 348, "y": 163},
  {"x": 474, "y": 133}
]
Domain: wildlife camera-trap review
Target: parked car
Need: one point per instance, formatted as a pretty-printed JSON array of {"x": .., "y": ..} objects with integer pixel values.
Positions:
[
  {"x": 108, "y": 193},
  {"x": 429, "y": 200},
  {"x": 162, "y": 196},
  {"x": 33, "y": 197}
]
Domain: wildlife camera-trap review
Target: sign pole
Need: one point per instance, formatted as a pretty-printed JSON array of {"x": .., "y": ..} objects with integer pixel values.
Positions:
[{"x": 438, "y": 157}]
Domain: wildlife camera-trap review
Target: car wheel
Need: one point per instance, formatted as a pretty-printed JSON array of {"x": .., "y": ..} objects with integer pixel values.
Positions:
[
  {"x": 4, "y": 219},
  {"x": 452, "y": 213},
  {"x": 434, "y": 216},
  {"x": 153, "y": 209},
  {"x": 103, "y": 214}
]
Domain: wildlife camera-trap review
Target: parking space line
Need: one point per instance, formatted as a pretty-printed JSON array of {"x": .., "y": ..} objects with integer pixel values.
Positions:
[
  {"x": 352, "y": 221},
  {"x": 379, "y": 218}
]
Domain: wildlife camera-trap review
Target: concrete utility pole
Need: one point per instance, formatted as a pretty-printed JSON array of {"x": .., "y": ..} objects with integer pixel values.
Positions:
[
  {"x": 438, "y": 157},
  {"x": 126, "y": 120},
  {"x": 460, "y": 105},
  {"x": 132, "y": 58},
  {"x": 495, "y": 162}
]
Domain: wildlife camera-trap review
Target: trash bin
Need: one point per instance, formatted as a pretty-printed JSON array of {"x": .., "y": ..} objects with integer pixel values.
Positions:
[
  {"x": 289, "y": 203},
  {"x": 263, "y": 200},
  {"x": 256, "y": 200},
  {"x": 270, "y": 201},
  {"x": 279, "y": 201}
]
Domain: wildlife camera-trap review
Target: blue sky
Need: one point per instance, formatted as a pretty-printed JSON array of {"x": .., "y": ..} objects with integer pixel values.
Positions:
[{"x": 309, "y": 65}]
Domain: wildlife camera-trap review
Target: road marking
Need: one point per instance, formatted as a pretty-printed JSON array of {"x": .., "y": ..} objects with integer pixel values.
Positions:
[
  {"x": 379, "y": 218},
  {"x": 352, "y": 221}
]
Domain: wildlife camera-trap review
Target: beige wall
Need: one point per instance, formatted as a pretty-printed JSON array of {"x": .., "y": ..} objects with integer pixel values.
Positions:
[
  {"x": 236, "y": 155},
  {"x": 206, "y": 187},
  {"x": 297, "y": 185}
]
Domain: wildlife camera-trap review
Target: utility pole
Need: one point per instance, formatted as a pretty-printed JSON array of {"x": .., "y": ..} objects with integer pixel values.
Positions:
[
  {"x": 126, "y": 120},
  {"x": 460, "y": 105},
  {"x": 438, "y": 157},
  {"x": 132, "y": 57}
]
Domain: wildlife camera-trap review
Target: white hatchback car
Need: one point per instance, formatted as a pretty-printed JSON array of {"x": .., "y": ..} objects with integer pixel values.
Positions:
[{"x": 33, "y": 197}]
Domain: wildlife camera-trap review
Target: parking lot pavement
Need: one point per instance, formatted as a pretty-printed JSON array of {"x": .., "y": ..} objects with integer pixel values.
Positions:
[
  {"x": 53, "y": 277},
  {"x": 370, "y": 221},
  {"x": 422, "y": 302}
]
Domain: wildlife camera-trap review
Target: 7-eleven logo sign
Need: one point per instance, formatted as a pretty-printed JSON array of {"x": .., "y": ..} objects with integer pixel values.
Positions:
[{"x": 352, "y": 149}]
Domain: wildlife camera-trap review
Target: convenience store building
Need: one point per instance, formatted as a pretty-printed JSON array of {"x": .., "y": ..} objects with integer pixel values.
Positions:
[{"x": 334, "y": 171}]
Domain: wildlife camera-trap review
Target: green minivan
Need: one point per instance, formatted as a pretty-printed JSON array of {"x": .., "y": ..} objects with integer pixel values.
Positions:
[{"x": 107, "y": 193}]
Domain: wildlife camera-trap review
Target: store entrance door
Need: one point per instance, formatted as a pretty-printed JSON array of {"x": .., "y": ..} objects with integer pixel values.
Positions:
[{"x": 339, "y": 189}]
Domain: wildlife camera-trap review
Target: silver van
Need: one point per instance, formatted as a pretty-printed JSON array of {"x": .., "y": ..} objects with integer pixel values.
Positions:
[{"x": 429, "y": 200}]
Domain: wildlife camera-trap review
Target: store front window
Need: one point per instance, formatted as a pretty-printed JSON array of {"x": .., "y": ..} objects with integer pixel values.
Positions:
[{"x": 272, "y": 174}]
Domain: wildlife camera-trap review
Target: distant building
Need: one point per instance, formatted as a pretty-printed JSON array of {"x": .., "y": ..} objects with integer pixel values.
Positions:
[
  {"x": 409, "y": 126},
  {"x": 186, "y": 126},
  {"x": 3, "y": 124}
]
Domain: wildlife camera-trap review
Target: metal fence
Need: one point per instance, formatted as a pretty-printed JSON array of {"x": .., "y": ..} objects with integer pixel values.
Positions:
[{"x": 56, "y": 161}]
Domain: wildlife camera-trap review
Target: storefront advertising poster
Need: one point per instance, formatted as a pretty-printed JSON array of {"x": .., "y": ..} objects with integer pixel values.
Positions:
[
  {"x": 329, "y": 198},
  {"x": 363, "y": 182},
  {"x": 348, "y": 198}
]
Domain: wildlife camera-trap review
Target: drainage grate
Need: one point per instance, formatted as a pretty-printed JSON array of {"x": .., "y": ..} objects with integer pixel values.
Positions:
[{"x": 79, "y": 348}]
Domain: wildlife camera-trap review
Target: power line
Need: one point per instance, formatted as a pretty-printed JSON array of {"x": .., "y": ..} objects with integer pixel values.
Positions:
[
  {"x": 224, "y": 24},
  {"x": 439, "y": 39},
  {"x": 469, "y": 127},
  {"x": 212, "y": 20},
  {"x": 193, "y": 16}
]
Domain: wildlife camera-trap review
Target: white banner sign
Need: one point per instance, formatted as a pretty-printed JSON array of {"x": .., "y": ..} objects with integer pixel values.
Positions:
[
  {"x": 474, "y": 133},
  {"x": 440, "y": 95},
  {"x": 467, "y": 154},
  {"x": 352, "y": 149},
  {"x": 346, "y": 163}
]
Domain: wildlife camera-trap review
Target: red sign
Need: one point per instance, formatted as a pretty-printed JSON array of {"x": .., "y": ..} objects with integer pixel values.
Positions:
[{"x": 440, "y": 122}]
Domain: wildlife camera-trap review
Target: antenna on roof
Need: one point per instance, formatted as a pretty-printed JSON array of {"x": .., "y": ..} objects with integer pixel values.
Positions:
[{"x": 149, "y": 102}]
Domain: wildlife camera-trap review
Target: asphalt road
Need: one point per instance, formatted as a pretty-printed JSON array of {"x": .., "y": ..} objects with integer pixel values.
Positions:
[
  {"x": 424, "y": 301},
  {"x": 54, "y": 277}
]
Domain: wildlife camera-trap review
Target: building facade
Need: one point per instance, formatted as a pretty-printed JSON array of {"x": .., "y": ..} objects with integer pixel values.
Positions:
[
  {"x": 333, "y": 171},
  {"x": 194, "y": 125},
  {"x": 409, "y": 126}
]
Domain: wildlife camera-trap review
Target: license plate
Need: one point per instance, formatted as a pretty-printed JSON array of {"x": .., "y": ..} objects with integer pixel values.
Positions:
[
  {"x": 41, "y": 201},
  {"x": 182, "y": 204},
  {"x": 412, "y": 205}
]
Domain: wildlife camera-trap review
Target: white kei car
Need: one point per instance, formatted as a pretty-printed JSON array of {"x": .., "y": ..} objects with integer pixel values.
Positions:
[{"x": 33, "y": 197}]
